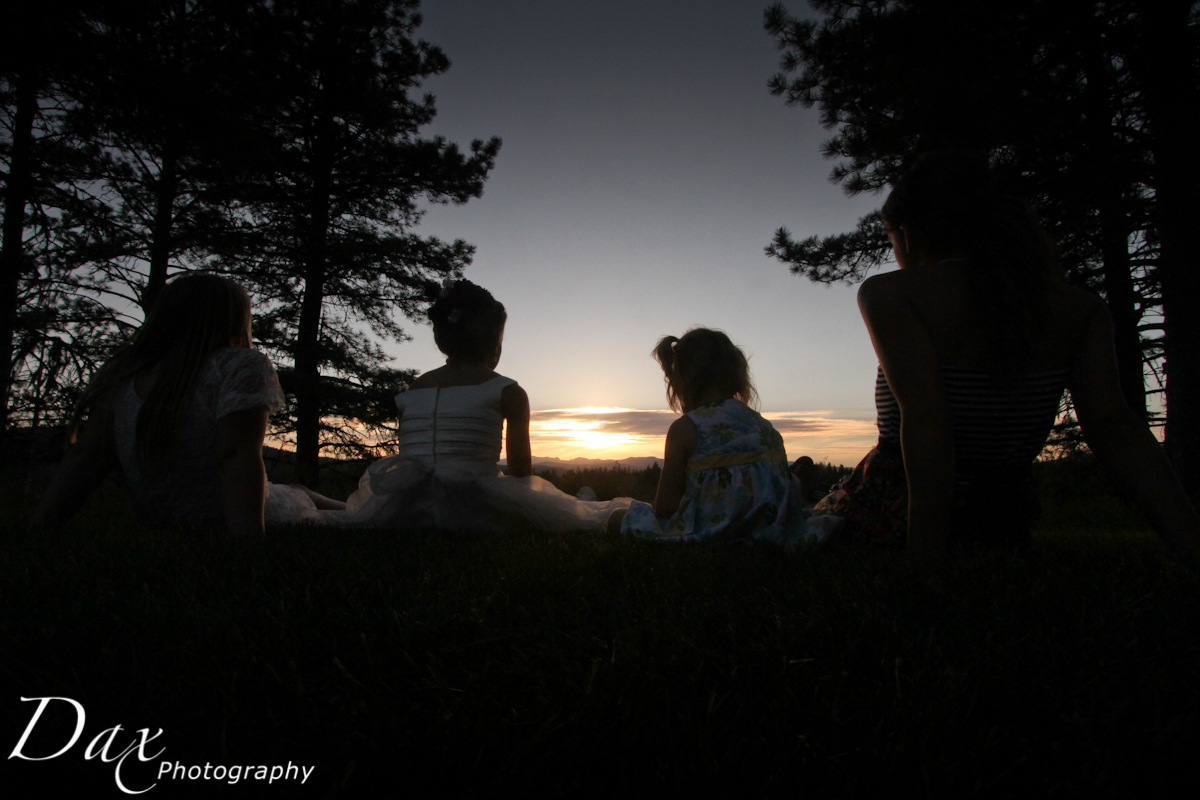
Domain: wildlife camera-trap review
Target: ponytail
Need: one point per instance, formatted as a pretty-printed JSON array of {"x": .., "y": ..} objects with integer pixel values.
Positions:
[{"x": 703, "y": 359}]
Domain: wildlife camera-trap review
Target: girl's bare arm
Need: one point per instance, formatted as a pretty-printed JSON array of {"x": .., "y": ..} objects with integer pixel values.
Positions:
[
  {"x": 514, "y": 404},
  {"x": 682, "y": 439},
  {"x": 909, "y": 360},
  {"x": 243, "y": 478},
  {"x": 1124, "y": 443}
]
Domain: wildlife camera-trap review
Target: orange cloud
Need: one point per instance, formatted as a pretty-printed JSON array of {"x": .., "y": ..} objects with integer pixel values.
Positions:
[{"x": 823, "y": 437}]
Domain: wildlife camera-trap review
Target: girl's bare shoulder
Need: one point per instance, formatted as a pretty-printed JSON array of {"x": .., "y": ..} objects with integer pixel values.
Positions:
[
  {"x": 886, "y": 290},
  {"x": 882, "y": 285},
  {"x": 1078, "y": 302},
  {"x": 943, "y": 284},
  {"x": 426, "y": 380},
  {"x": 513, "y": 393},
  {"x": 447, "y": 376},
  {"x": 683, "y": 429}
]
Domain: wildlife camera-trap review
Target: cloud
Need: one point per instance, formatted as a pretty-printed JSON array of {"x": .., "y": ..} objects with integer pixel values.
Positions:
[
  {"x": 627, "y": 421},
  {"x": 786, "y": 425}
]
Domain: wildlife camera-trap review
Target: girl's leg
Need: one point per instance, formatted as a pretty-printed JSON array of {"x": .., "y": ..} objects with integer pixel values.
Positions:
[{"x": 319, "y": 500}]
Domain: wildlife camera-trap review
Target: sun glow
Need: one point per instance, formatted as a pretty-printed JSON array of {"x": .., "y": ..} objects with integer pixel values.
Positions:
[{"x": 597, "y": 432}]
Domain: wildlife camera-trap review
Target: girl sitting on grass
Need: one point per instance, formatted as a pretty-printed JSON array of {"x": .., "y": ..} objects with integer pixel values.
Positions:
[
  {"x": 181, "y": 413},
  {"x": 725, "y": 473},
  {"x": 978, "y": 335},
  {"x": 452, "y": 422}
]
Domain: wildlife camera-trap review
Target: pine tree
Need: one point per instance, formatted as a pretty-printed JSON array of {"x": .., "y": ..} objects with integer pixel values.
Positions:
[
  {"x": 157, "y": 97},
  {"x": 52, "y": 329},
  {"x": 121, "y": 159},
  {"x": 326, "y": 240},
  {"x": 1163, "y": 64}
]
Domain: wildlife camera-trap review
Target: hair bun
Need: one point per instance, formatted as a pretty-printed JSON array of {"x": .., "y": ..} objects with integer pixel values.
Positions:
[{"x": 467, "y": 320}]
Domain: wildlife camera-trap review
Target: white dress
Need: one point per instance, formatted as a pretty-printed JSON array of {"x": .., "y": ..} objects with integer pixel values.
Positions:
[
  {"x": 446, "y": 475},
  {"x": 186, "y": 488}
]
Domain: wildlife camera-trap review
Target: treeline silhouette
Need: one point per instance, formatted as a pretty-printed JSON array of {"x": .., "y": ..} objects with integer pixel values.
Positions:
[
  {"x": 824, "y": 477},
  {"x": 272, "y": 141},
  {"x": 608, "y": 482}
]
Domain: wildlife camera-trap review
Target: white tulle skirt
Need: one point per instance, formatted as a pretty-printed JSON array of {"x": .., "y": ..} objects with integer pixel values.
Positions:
[
  {"x": 287, "y": 505},
  {"x": 400, "y": 492}
]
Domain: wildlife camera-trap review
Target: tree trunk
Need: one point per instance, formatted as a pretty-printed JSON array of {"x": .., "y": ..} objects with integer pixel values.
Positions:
[
  {"x": 1163, "y": 66},
  {"x": 308, "y": 332},
  {"x": 165, "y": 191},
  {"x": 1122, "y": 299},
  {"x": 1109, "y": 184},
  {"x": 308, "y": 372},
  {"x": 16, "y": 195}
]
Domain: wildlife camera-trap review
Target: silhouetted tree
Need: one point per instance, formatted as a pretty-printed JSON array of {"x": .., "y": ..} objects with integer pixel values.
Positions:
[
  {"x": 326, "y": 238},
  {"x": 159, "y": 96},
  {"x": 51, "y": 329},
  {"x": 113, "y": 174},
  {"x": 1163, "y": 64},
  {"x": 1062, "y": 95}
]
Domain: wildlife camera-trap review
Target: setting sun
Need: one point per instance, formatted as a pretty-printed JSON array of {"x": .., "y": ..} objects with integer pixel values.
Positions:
[{"x": 596, "y": 432}]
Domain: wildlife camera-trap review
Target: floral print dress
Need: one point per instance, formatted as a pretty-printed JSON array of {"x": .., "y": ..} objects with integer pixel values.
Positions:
[{"x": 738, "y": 485}]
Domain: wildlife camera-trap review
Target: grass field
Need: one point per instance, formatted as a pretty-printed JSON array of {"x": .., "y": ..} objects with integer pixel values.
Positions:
[{"x": 572, "y": 665}]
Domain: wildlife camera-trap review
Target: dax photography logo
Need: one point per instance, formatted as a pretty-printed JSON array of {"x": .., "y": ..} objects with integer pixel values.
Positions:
[
  {"x": 106, "y": 745},
  {"x": 101, "y": 746}
]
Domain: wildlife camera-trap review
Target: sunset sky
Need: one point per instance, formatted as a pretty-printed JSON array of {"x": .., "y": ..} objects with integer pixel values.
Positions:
[{"x": 644, "y": 168}]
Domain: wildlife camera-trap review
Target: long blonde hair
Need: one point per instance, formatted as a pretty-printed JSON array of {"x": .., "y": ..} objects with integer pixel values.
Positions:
[
  {"x": 194, "y": 315},
  {"x": 704, "y": 358}
]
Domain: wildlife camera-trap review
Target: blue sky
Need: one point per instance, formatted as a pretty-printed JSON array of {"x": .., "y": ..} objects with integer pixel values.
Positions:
[{"x": 644, "y": 168}]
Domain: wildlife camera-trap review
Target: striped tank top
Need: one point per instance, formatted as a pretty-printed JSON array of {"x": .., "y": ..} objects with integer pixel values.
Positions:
[{"x": 996, "y": 424}]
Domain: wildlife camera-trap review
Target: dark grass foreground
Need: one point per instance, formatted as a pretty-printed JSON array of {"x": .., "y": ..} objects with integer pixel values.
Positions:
[{"x": 429, "y": 664}]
